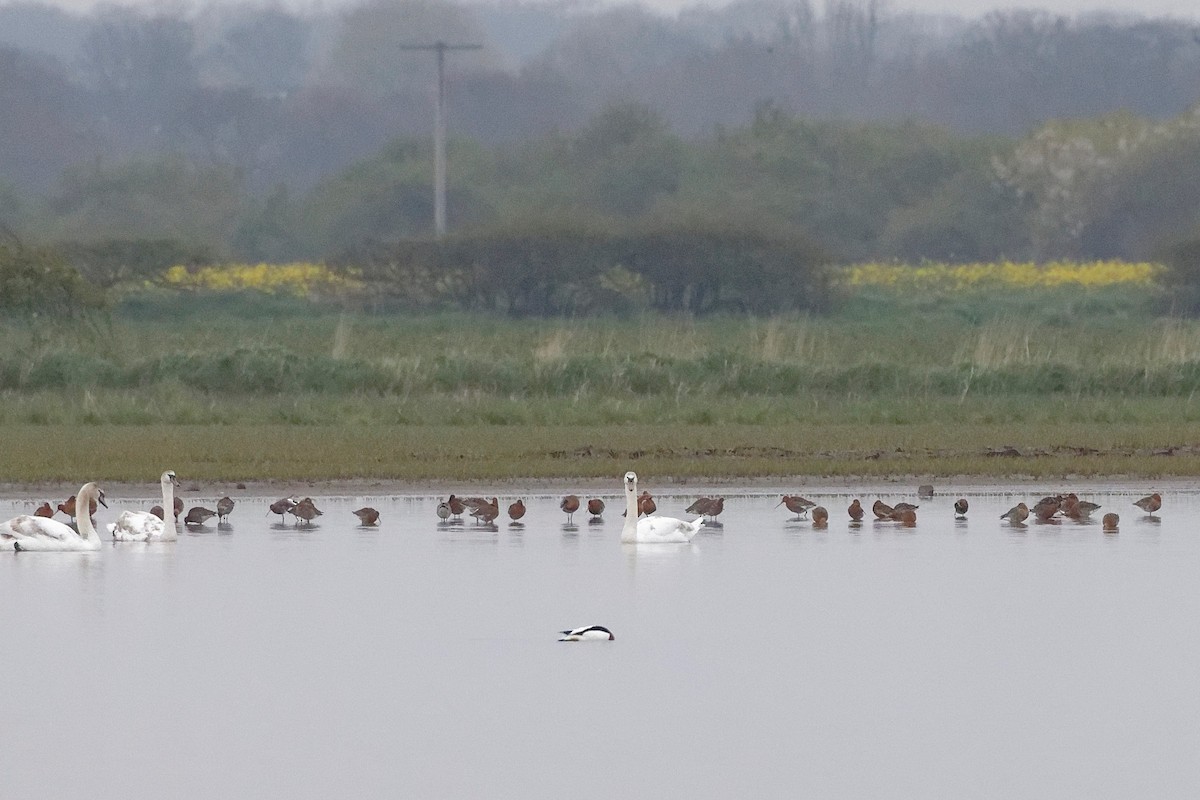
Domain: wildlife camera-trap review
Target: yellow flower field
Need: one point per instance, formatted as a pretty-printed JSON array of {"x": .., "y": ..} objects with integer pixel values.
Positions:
[
  {"x": 296, "y": 279},
  {"x": 1005, "y": 274}
]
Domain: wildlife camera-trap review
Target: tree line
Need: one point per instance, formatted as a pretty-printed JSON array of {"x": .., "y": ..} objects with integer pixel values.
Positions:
[
  {"x": 287, "y": 98},
  {"x": 139, "y": 138}
]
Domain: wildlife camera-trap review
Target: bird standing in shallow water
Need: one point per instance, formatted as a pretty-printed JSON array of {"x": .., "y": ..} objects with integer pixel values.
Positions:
[
  {"x": 1110, "y": 522},
  {"x": 882, "y": 510},
  {"x": 306, "y": 510},
  {"x": 1150, "y": 503},
  {"x": 595, "y": 506},
  {"x": 281, "y": 506},
  {"x": 1047, "y": 507},
  {"x": 856, "y": 511},
  {"x": 820, "y": 517},
  {"x": 516, "y": 510},
  {"x": 569, "y": 505},
  {"x": 197, "y": 515},
  {"x": 44, "y": 510},
  {"x": 795, "y": 504},
  {"x": 224, "y": 508},
  {"x": 367, "y": 516},
  {"x": 1017, "y": 514},
  {"x": 925, "y": 490},
  {"x": 707, "y": 506},
  {"x": 486, "y": 512},
  {"x": 68, "y": 507},
  {"x": 960, "y": 508}
]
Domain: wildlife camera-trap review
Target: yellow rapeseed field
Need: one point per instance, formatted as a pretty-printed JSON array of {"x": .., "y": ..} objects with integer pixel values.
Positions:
[
  {"x": 296, "y": 279},
  {"x": 997, "y": 275}
]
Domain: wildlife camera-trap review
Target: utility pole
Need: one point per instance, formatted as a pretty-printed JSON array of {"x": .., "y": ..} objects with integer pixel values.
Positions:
[{"x": 439, "y": 129}]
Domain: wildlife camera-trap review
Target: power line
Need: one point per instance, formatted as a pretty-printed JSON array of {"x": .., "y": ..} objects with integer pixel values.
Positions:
[{"x": 439, "y": 129}]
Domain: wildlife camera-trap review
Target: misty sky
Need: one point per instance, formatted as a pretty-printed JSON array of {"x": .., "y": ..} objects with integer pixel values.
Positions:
[
  {"x": 1176, "y": 8},
  {"x": 1188, "y": 9}
]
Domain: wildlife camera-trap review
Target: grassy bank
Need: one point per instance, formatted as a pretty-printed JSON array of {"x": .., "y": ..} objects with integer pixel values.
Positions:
[{"x": 1076, "y": 380}]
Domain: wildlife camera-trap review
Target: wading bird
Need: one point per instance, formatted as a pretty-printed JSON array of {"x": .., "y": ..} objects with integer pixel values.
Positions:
[
  {"x": 367, "y": 516},
  {"x": 1150, "y": 503},
  {"x": 224, "y": 508},
  {"x": 856, "y": 511},
  {"x": 569, "y": 505}
]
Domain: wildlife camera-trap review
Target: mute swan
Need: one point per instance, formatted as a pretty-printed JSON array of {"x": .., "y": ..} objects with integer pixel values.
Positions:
[
  {"x": 587, "y": 633},
  {"x": 145, "y": 526},
  {"x": 39, "y": 533},
  {"x": 652, "y": 530}
]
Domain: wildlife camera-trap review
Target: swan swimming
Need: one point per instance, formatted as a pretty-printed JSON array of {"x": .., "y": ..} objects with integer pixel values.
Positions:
[
  {"x": 652, "y": 529},
  {"x": 40, "y": 533},
  {"x": 588, "y": 633},
  {"x": 143, "y": 526}
]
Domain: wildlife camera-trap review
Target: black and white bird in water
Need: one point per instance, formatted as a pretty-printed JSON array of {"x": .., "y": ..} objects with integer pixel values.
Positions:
[{"x": 589, "y": 633}]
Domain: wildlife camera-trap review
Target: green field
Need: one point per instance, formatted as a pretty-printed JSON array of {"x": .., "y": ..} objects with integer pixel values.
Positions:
[{"x": 249, "y": 387}]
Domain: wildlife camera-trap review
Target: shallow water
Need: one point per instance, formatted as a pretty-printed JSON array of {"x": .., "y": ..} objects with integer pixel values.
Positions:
[{"x": 954, "y": 659}]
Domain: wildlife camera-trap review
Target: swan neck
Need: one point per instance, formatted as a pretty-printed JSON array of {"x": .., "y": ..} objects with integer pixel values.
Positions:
[
  {"x": 83, "y": 519},
  {"x": 629, "y": 531},
  {"x": 168, "y": 504}
]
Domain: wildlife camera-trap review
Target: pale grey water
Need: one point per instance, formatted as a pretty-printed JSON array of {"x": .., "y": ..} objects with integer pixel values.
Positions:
[{"x": 952, "y": 660}]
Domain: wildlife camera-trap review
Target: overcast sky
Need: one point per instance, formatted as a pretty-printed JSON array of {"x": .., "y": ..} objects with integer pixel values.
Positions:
[{"x": 1185, "y": 9}]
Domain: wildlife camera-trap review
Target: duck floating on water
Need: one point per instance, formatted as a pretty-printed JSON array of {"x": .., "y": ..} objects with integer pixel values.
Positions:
[{"x": 589, "y": 633}]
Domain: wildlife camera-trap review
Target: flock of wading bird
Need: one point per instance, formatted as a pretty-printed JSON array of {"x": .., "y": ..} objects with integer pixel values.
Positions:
[{"x": 39, "y": 531}]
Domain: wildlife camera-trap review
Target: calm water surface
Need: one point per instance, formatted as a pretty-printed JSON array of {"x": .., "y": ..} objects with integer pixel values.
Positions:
[{"x": 952, "y": 660}]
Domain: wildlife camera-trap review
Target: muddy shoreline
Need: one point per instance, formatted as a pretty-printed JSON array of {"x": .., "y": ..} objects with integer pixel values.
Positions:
[{"x": 374, "y": 487}]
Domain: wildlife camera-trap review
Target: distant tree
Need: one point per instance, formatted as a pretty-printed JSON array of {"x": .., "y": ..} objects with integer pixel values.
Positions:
[
  {"x": 38, "y": 281},
  {"x": 143, "y": 68},
  {"x": 1182, "y": 281},
  {"x": 268, "y": 50},
  {"x": 367, "y": 51},
  {"x": 42, "y": 122},
  {"x": 148, "y": 199},
  {"x": 1151, "y": 196},
  {"x": 625, "y": 159}
]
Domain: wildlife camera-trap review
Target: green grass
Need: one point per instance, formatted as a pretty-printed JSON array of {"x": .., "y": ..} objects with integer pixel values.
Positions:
[{"x": 230, "y": 388}]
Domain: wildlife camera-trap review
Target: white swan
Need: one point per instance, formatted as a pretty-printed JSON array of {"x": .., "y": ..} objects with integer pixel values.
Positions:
[
  {"x": 652, "y": 529},
  {"x": 142, "y": 526},
  {"x": 39, "y": 533}
]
